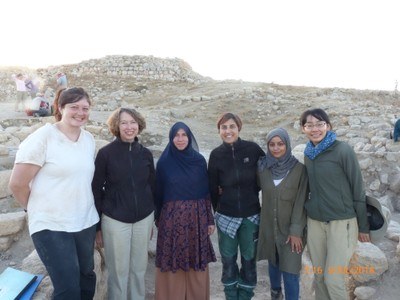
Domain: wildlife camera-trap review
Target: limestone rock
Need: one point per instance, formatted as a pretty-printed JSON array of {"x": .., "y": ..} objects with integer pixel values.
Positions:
[
  {"x": 5, "y": 242},
  {"x": 398, "y": 250},
  {"x": 365, "y": 163},
  {"x": 95, "y": 130},
  {"x": 4, "y": 179},
  {"x": 4, "y": 137},
  {"x": 24, "y": 132},
  {"x": 11, "y": 223},
  {"x": 100, "y": 144},
  {"x": 33, "y": 264},
  {"x": 395, "y": 183},
  {"x": 3, "y": 150},
  {"x": 298, "y": 152},
  {"x": 386, "y": 201},
  {"x": 393, "y": 231},
  {"x": 364, "y": 292},
  {"x": 368, "y": 262}
]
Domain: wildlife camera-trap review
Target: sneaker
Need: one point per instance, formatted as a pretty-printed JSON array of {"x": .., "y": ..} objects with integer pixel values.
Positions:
[{"x": 276, "y": 295}]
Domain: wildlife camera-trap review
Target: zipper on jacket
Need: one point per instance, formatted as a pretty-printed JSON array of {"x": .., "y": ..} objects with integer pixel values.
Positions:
[
  {"x": 318, "y": 193},
  {"x": 133, "y": 181},
  {"x": 237, "y": 177}
]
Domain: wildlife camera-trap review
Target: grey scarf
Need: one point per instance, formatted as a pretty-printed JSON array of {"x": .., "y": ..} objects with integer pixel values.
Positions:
[{"x": 279, "y": 167}]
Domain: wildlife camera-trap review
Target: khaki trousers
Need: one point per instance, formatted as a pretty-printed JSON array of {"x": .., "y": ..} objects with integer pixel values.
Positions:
[
  {"x": 21, "y": 98},
  {"x": 181, "y": 285},
  {"x": 331, "y": 245},
  {"x": 126, "y": 255}
]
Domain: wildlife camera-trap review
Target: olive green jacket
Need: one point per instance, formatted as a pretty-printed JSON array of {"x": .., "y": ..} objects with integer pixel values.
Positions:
[
  {"x": 282, "y": 214},
  {"x": 336, "y": 185}
]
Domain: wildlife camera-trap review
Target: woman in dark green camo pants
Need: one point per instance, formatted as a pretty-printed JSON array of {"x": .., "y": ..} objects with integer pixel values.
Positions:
[
  {"x": 232, "y": 170},
  {"x": 239, "y": 286}
]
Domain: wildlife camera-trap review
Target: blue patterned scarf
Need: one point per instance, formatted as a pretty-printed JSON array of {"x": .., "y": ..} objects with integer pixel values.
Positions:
[{"x": 312, "y": 151}]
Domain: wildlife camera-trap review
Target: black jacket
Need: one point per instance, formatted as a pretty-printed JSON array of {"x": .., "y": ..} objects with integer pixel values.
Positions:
[
  {"x": 124, "y": 181},
  {"x": 233, "y": 168}
]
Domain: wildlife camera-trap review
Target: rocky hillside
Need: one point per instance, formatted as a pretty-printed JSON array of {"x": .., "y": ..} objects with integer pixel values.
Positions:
[{"x": 168, "y": 90}]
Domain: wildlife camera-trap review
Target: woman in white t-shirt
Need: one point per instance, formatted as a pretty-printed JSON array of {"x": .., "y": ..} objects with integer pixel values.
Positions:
[{"x": 51, "y": 179}]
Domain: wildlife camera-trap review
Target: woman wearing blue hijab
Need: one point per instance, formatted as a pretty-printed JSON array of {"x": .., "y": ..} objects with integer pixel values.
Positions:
[{"x": 184, "y": 220}]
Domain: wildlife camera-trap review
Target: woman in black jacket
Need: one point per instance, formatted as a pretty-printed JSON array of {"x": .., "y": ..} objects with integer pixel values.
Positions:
[
  {"x": 232, "y": 170},
  {"x": 123, "y": 188}
]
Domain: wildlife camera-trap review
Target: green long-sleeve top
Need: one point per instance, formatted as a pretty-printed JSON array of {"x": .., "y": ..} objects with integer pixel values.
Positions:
[
  {"x": 282, "y": 214},
  {"x": 336, "y": 186}
]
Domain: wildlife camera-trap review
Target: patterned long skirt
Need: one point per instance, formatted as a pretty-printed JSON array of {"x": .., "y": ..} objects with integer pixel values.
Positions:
[{"x": 183, "y": 241}]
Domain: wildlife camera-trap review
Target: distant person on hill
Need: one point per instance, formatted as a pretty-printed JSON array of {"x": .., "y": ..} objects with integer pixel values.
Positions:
[
  {"x": 31, "y": 87},
  {"x": 232, "y": 170},
  {"x": 336, "y": 209},
  {"x": 396, "y": 132},
  {"x": 62, "y": 82},
  {"x": 50, "y": 95},
  {"x": 284, "y": 184},
  {"x": 38, "y": 107},
  {"x": 22, "y": 93}
]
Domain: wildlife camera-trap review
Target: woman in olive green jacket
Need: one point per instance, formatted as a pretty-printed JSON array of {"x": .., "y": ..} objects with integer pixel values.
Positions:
[
  {"x": 336, "y": 209},
  {"x": 284, "y": 183}
]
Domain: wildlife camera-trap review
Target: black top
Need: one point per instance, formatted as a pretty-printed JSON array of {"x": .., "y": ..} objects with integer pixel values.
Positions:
[
  {"x": 233, "y": 168},
  {"x": 124, "y": 181}
]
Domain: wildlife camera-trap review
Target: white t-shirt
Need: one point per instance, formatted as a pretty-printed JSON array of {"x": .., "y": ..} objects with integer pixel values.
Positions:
[{"x": 61, "y": 197}]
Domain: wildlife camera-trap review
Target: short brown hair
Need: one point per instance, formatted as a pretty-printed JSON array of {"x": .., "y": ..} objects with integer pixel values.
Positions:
[
  {"x": 227, "y": 116},
  {"x": 113, "y": 120}
]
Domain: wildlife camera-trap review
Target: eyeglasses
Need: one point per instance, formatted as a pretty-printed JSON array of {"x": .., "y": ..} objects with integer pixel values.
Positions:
[{"x": 310, "y": 126}]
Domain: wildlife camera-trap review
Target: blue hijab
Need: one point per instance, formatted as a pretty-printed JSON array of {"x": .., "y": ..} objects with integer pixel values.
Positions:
[{"x": 181, "y": 174}]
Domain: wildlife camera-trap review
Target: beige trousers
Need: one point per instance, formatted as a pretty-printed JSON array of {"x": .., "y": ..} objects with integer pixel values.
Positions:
[
  {"x": 181, "y": 285},
  {"x": 331, "y": 245},
  {"x": 21, "y": 98},
  {"x": 126, "y": 254}
]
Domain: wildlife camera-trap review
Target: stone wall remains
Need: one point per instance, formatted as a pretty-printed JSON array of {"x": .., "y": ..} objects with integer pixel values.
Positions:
[{"x": 137, "y": 68}]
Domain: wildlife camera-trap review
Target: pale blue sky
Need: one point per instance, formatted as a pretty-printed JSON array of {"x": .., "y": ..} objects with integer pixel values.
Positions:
[{"x": 342, "y": 43}]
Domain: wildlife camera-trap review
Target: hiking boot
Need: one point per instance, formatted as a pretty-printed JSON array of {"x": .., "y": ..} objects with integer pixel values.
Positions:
[{"x": 276, "y": 295}]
